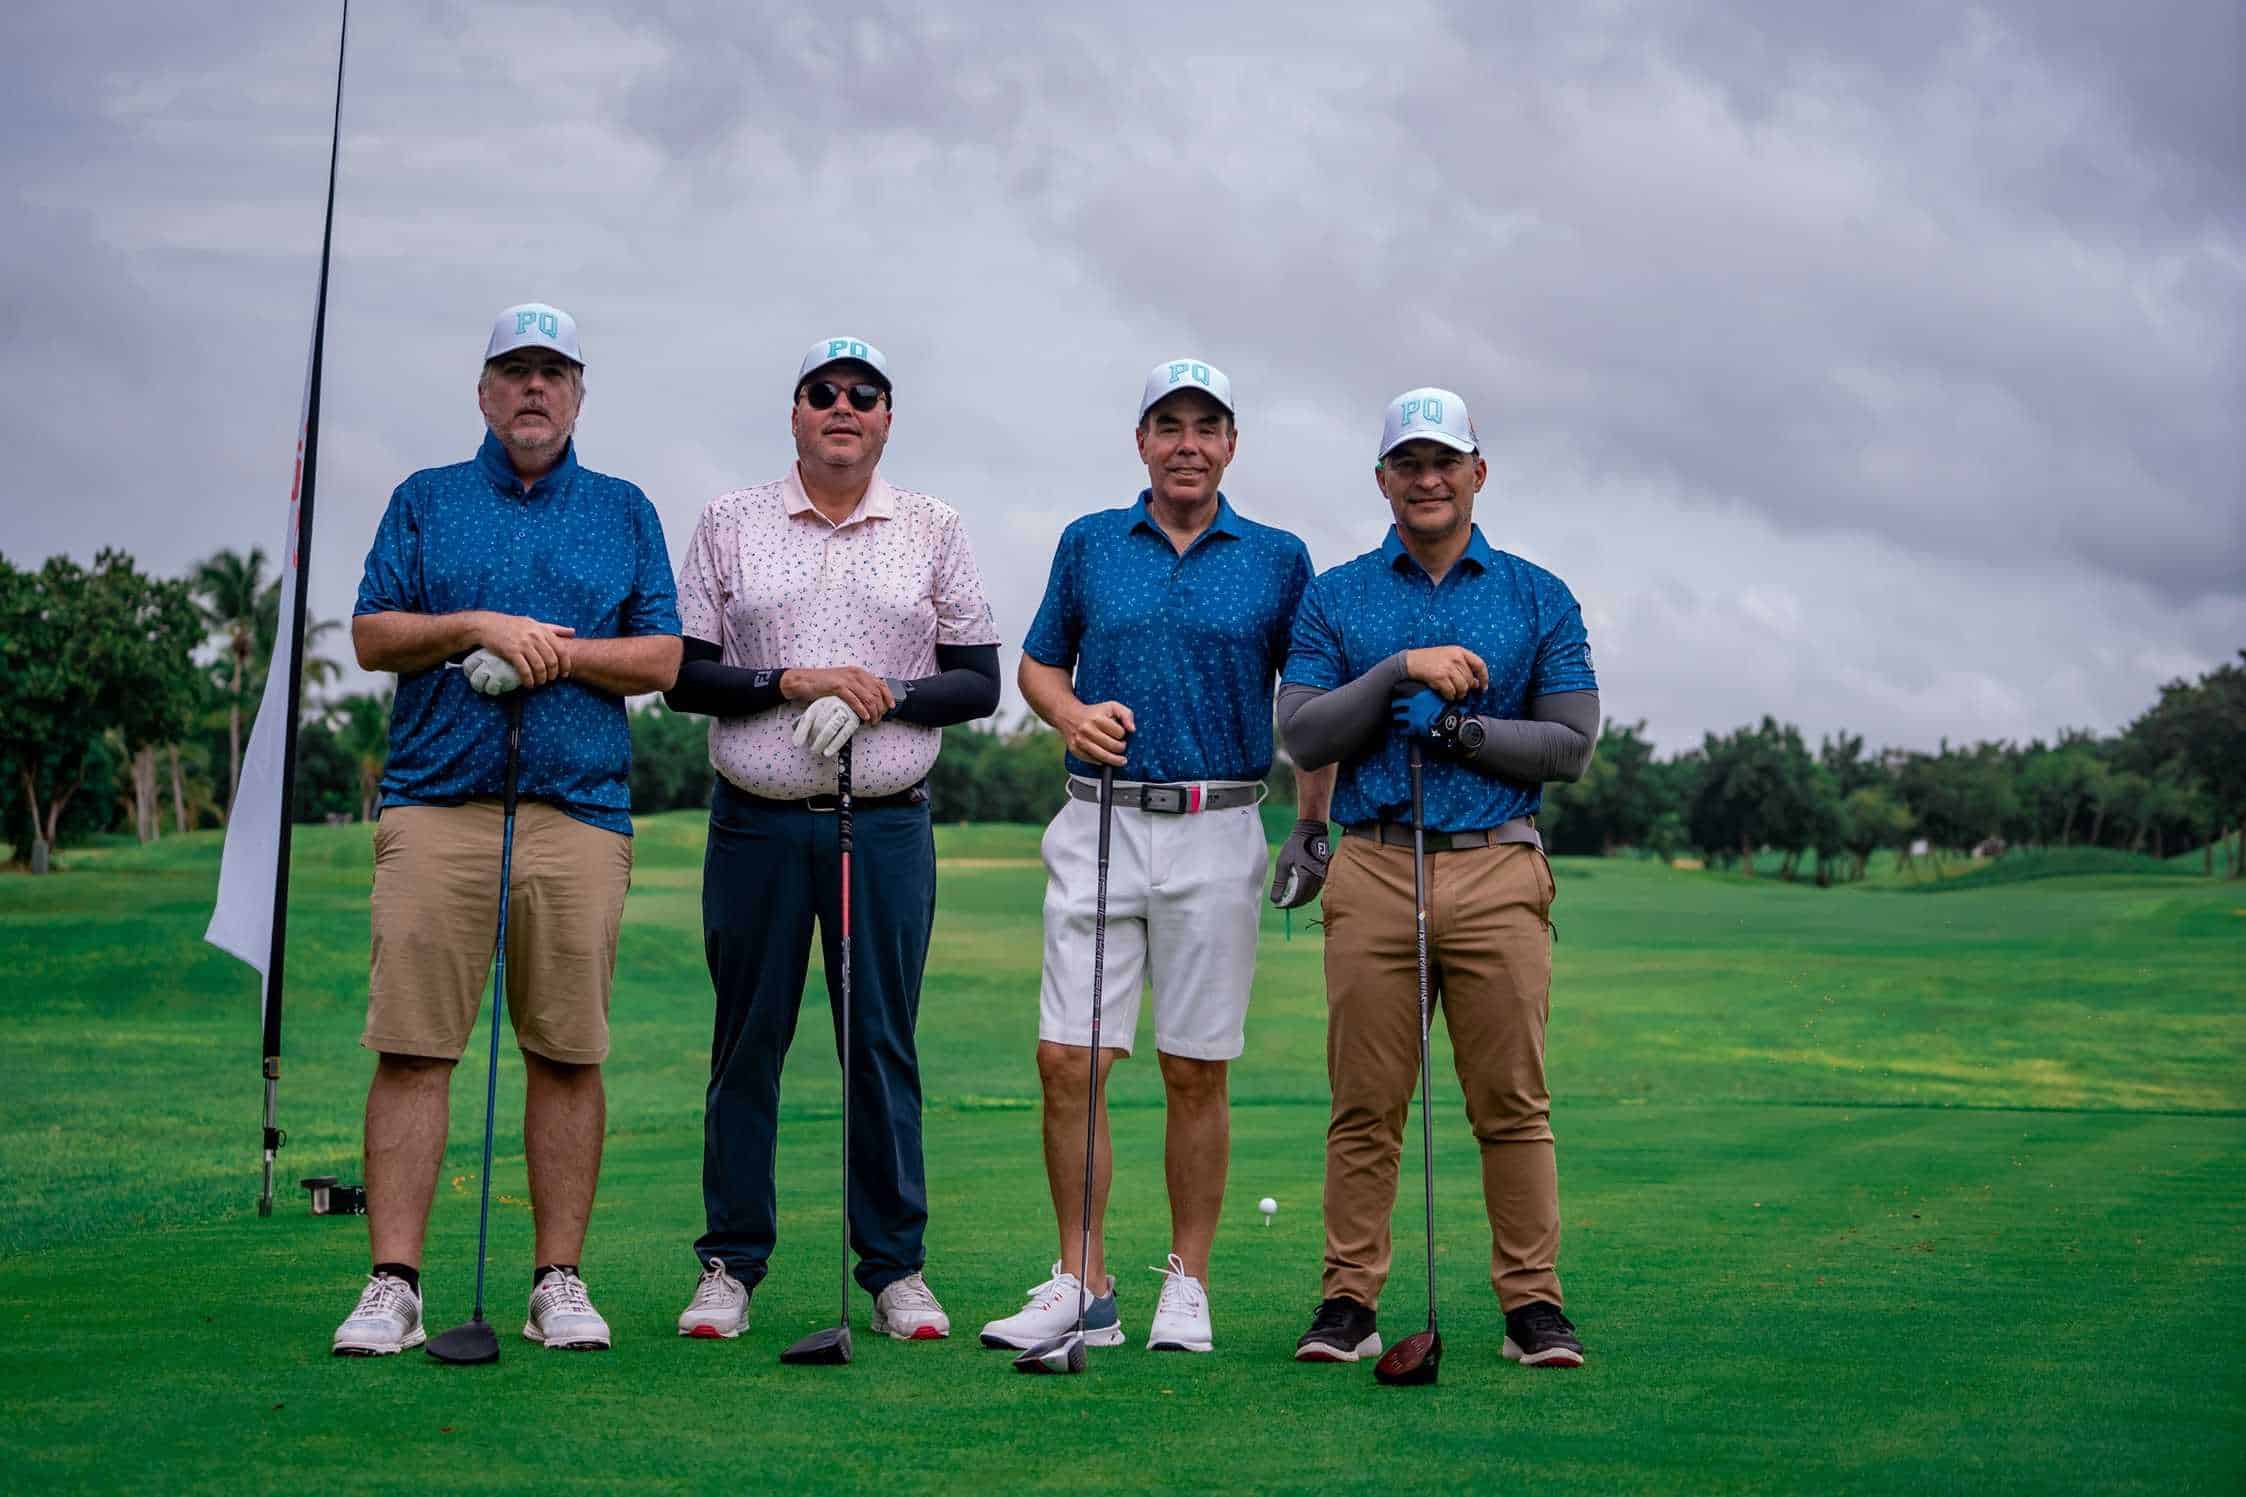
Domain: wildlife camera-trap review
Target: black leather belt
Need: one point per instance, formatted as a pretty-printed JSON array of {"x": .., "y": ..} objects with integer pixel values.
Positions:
[
  {"x": 1172, "y": 800},
  {"x": 1399, "y": 834},
  {"x": 916, "y": 795}
]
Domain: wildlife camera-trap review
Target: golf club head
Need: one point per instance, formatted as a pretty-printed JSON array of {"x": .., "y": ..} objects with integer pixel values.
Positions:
[
  {"x": 1412, "y": 1362},
  {"x": 467, "y": 1345},
  {"x": 1062, "y": 1354},
  {"x": 827, "y": 1348}
]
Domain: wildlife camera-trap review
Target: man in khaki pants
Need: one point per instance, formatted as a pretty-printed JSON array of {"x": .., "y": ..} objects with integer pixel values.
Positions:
[
  {"x": 541, "y": 576},
  {"x": 1439, "y": 636}
]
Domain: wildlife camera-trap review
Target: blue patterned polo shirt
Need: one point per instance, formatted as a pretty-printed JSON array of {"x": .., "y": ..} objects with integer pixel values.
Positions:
[
  {"x": 1190, "y": 643},
  {"x": 579, "y": 548},
  {"x": 1519, "y": 618}
]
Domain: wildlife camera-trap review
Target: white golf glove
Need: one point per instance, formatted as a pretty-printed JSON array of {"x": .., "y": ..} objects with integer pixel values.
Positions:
[
  {"x": 489, "y": 674},
  {"x": 826, "y": 725}
]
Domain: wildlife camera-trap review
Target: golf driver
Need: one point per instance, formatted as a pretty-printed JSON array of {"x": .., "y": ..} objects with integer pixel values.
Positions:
[
  {"x": 831, "y": 1347},
  {"x": 466, "y": 1345},
  {"x": 1417, "y": 1358},
  {"x": 1065, "y": 1352}
]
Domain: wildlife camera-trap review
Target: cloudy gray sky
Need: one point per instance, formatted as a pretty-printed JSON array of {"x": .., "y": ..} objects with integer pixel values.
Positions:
[{"x": 1875, "y": 366}]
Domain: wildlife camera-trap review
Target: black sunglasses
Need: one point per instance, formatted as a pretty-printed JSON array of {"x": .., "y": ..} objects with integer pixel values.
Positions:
[{"x": 823, "y": 393}]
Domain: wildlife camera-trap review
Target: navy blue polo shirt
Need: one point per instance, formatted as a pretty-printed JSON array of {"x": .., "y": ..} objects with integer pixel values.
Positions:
[
  {"x": 1190, "y": 643},
  {"x": 1519, "y": 618},
  {"x": 579, "y": 548}
]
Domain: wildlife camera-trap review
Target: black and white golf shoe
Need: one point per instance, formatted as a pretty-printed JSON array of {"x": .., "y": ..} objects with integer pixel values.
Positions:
[
  {"x": 1341, "y": 1331},
  {"x": 1538, "y": 1335}
]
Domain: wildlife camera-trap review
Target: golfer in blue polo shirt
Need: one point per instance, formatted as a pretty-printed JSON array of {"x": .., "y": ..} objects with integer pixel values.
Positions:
[
  {"x": 1155, "y": 651},
  {"x": 542, "y": 577},
  {"x": 1437, "y": 635}
]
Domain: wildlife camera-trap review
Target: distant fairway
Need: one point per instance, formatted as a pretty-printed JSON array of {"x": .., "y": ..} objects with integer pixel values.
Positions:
[{"x": 1862, "y": 1192}]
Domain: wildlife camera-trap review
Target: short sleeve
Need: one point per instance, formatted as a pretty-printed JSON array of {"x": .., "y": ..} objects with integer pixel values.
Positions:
[
  {"x": 1563, "y": 657},
  {"x": 1314, "y": 654},
  {"x": 701, "y": 591},
  {"x": 963, "y": 615},
  {"x": 390, "y": 582},
  {"x": 1059, "y": 625},
  {"x": 653, "y": 606},
  {"x": 1291, "y": 590}
]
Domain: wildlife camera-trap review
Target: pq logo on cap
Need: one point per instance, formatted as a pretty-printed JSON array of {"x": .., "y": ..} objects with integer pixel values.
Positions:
[
  {"x": 545, "y": 321},
  {"x": 1428, "y": 409},
  {"x": 1184, "y": 368},
  {"x": 846, "y": 348}
]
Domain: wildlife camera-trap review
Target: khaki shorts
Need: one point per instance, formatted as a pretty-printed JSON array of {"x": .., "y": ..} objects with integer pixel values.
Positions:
[{"x": 436, "y": 914}]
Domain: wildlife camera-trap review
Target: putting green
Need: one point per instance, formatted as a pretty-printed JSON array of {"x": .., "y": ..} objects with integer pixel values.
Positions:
[{"x": 1861, "y": 1193}]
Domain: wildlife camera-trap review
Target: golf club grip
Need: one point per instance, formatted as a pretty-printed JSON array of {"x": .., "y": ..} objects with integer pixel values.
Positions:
[{"x": 514, "y": 751}]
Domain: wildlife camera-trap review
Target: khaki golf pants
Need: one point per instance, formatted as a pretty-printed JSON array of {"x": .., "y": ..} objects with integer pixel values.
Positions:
[{"x": 1490, "y": 963}]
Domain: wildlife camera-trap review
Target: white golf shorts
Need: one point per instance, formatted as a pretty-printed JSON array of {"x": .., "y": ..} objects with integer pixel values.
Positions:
[{"x": 1184, "y": 898}]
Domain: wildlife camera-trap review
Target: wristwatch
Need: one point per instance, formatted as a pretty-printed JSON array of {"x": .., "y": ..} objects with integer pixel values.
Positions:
[
  {"x": 899, "y": 691},
  {"x": 1460, "y": 734}
]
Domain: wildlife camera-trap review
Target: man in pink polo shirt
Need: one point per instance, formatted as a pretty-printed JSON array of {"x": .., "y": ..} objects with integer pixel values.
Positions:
[{"x": 823, "y": 608}]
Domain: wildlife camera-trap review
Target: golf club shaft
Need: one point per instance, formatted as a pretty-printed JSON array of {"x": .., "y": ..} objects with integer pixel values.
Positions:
[
  {"x": 1426, "y": 1018},
  {"x": 843, "y": 832},
  {"x": 1092, "y": 1112},
  {"x": 498, "y": 975}
]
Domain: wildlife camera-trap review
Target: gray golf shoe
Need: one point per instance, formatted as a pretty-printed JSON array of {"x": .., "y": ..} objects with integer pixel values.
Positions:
[
  {"x": 386, "y": 1320},
  {"x": 1051, "y": 1311},
  {"x": 562, "y": 1317}
]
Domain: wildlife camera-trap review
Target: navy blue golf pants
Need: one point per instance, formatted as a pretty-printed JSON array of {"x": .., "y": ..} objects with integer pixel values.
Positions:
[{"x": 770, "y": 872}]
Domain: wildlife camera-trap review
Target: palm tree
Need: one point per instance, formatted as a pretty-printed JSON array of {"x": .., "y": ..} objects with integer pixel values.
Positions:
[
  {"x": 361, "y": 723},
  {"x": 319, "y": 670},
  {"x": 231, "y": 589}
]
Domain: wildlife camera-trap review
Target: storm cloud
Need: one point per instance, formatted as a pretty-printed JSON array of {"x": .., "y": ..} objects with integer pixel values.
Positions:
[{"x": 1877, "y": 368}]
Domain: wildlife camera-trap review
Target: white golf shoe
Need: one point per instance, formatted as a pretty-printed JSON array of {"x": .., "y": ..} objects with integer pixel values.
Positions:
[
  {"x": 1052, "y": 1310},
  {"x": 386, "y": 1320},
  {"x": 907, "y": 1311},
  {"x": 719, "y": 1310},
  {"x": 1181, "y": 1316},
  {"x": 562, "y": 1317}
]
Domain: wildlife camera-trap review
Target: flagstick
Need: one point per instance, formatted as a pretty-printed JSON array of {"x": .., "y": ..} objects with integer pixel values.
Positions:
[{"x": 300, "y": 546}]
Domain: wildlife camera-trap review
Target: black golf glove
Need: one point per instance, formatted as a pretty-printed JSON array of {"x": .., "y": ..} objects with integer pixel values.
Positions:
[{"x": 1299, "y": 872}]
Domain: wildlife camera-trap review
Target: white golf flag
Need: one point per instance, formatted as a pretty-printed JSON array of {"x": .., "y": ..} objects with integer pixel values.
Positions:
[{"x": 242, "y": 921}]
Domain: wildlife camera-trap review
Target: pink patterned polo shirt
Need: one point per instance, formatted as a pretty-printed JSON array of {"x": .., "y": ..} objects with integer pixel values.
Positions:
[{"x": 777, "y": 586}]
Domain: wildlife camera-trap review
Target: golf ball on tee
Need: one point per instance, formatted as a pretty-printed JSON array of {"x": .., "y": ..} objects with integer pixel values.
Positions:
[{"x": 1267, "y": 1206}]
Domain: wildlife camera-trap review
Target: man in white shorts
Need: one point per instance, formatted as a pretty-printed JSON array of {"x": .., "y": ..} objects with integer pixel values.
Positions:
[{"x": 1155, "y": 651}]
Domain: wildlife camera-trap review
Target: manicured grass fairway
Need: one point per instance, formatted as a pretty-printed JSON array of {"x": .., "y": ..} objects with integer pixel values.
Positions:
[{"x": 1862, "y": 1193}]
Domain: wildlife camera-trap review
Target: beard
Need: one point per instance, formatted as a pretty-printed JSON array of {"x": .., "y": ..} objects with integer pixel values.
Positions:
[{"x": 539, "y": 447}]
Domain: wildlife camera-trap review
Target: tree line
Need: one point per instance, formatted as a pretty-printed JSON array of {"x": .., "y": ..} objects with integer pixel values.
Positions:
[
  {"x": 129, "y": 697},
  {"x": 2174, "y": 779}
]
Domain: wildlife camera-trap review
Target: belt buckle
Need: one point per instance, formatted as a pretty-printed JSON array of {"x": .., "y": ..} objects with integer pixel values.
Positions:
[
  {"x": 1169, "y": 799},
  {"x": 823, "y": 805}
]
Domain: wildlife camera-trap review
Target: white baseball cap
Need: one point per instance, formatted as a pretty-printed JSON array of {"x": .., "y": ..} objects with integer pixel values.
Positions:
[
  {"x": 534, "y": 325},
  {"x": 1428, "y": 413},
  {"x": 834, "y": 350},
  {"x": 1172, "y": 375}
]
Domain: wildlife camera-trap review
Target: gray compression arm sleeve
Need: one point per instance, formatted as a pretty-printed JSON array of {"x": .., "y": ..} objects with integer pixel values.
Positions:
[
  {"x": 1325, "y": 727},
  {"x": 1553, "y": 743}
]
